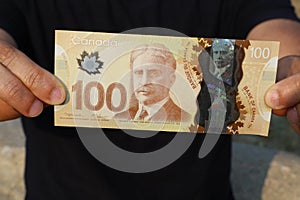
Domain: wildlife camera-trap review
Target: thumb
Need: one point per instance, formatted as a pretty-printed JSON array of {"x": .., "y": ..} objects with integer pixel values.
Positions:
[{"x": 285, "y": 93}]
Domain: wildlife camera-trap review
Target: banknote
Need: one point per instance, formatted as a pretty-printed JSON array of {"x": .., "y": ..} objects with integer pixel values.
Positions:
[{"x": 164, "y": 83}]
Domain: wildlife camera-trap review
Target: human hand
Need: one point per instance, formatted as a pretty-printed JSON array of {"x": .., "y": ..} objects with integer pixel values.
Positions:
[
  {"x": 284, "y": 96},
  {"x": 25, "y": 88}
]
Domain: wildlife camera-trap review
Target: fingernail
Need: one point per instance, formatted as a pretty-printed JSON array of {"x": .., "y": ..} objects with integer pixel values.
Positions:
[
  {"x": 36, "y": 108},
  {"x": 272, "y": 99},
  {"x": 56, "y": 96}
]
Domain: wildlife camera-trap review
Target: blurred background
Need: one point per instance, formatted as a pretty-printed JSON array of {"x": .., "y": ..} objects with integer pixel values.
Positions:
[{"x": 262, "y": 167}]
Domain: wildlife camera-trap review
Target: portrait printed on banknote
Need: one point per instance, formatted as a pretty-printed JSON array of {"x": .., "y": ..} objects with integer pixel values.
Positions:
[
  {"x": 128, "y": 82},
  {"x": 153, "y": 69},
  {"x": 221, "y": 64}
]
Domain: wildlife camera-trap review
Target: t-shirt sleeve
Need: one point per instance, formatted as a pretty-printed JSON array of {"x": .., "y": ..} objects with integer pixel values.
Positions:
[
  {"x": 12, "y": 19},
  {"x": 243, "y": 15}
]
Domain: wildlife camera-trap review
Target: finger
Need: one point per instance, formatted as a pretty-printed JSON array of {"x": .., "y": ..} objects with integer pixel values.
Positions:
[
  {"x": 7, "y": 112},
  {"x": 40, "y": 82},
  {"x": 293, "y": 117},
  {"x": 280, "y": 112},
  {"x": 14, "y": 93},
  {"x": 284, "y": 94},
  {"x": 288, "y": 66}
]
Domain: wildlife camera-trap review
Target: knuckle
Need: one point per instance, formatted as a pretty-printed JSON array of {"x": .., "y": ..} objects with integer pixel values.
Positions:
[
  {"x": 297, "y": 86},
  {"x": 297, "y": 93},
  {"x": 33, "y": 78},
  {"x": 7, "y": 53},
  {"x": 13, "y": 90},
  {"x": 289, "y": 89}
]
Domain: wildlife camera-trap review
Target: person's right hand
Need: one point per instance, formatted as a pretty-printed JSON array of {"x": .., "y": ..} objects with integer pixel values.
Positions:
[{"x": 25, "y": 88}]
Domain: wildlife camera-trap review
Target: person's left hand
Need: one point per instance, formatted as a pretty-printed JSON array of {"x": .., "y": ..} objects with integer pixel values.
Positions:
[{"x": 284, "y": 96}]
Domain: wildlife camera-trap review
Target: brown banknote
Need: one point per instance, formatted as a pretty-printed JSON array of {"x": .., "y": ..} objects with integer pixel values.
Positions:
[{"x": 164, "y": 83}]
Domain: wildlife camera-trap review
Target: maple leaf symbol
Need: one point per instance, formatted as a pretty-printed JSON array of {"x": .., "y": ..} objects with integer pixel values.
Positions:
[
  {"x": 236, "y": 125},
  {"x": 240, "y": 105},
  {"x": 198, "y": 74},
  {"x": 193, "y": 128},
  {"x": 90, "y": 63},
  {"x": 243, "y": 115},
  {"x": 234, "y": 128},
  {"x": 243, "y": 43},
  {"x": 197, "y": 48}
]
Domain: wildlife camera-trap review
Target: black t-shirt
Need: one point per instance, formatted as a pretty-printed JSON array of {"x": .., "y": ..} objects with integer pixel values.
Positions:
[{"x": 58, "y": 166}]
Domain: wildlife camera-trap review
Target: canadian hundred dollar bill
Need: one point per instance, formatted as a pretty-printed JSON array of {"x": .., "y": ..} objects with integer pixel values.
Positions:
[{"x": 164, "y": 83}]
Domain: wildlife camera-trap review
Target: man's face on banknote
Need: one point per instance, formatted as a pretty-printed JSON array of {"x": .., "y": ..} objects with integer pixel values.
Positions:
[
  {"x": 152, "y": 79},
  {"x": 222, "y": 54}
]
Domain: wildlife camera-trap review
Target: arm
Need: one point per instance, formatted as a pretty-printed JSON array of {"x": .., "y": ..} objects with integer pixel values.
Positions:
[
  {"x": 24, "y": 86},
  {"x": 284, "y": 96}
]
